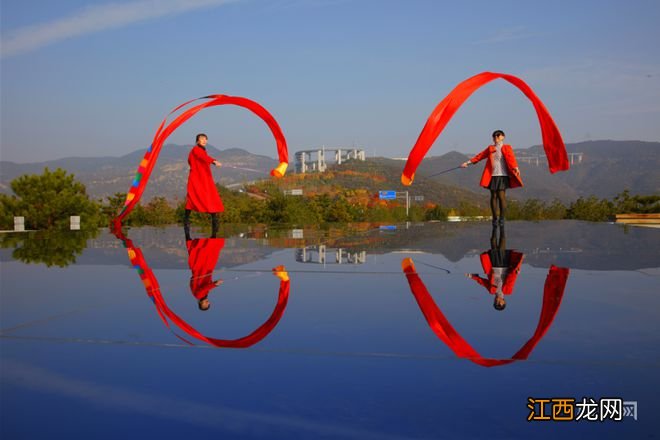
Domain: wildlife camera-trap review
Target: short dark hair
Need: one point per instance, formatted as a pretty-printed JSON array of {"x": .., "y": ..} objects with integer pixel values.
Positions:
[
  {"x": 498, "y": 132},
  {"x": 199, "y": 136},
  {"x": 199, "y": 304},
  {"x": 499, "y": 307}
]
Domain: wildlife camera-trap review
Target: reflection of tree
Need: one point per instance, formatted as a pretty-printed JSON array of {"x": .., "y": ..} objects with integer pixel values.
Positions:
[{"x": 52, "y": 248}]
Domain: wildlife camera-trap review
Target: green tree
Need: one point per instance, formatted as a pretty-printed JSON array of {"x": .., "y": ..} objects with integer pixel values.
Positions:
[
  {"x": 291, "y": 210},
  {"x": 555, "y": 210},
  {"x": 157, "y": 212},
  {"x": 338, "y": 211},
  {"x": 47, "y": 200},
  {"x": 591, "y": 209},
  {"x": 469, "y": 209},
  {"x": 113, "y": 204},
  {"x": 436, "y": 213},
  {"x": 8, "y": 209},
  {"x": 626, "y": 203}
]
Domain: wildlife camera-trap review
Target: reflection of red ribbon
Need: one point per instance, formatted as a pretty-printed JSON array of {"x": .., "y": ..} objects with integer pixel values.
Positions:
[
  {"x": 553, "y": 144},
  {"x": 149, "y": 160},
  {"x": 553, "y": 292},
  {"x": 153, "y": 290}
]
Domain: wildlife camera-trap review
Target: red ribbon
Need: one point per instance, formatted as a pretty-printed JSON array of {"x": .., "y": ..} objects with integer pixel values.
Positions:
[
  {"x": 553, "y": 143},
  {"x": 553, "y": 292},
  {"x": 153, "y": 291},
  {"x": 149, "y": 160}
]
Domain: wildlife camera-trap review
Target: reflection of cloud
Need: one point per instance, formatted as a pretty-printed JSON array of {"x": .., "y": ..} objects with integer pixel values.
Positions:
[
  {"x": 506, "y": 34},
  {"x": 95, "y": 19},
  {"x": 223, "y": 418}
]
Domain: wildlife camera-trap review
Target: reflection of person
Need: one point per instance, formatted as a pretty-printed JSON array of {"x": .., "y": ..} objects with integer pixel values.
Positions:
[
  {"x": 166, "y": 314},
  {"x": 202, "y": 195},
  {"x": 203, "y": 254},
  {"x": 501, "y": 266},
  {"x": 501, "y": 172},
  {"x": 553, "y": 292}
]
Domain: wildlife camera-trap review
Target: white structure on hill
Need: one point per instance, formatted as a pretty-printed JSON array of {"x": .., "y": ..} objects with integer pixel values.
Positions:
[
  {"x": 319, "y": 255},
  {"x": 535, "y": 159},
  {"x": 314, "y": 160}
]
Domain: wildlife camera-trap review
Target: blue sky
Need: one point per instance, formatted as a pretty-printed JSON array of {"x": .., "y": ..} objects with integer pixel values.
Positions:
[{"x": 94, "y": 78}]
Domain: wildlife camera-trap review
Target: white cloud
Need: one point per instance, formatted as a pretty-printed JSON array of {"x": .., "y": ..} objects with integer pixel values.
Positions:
[{"x": 95, "y": 19}]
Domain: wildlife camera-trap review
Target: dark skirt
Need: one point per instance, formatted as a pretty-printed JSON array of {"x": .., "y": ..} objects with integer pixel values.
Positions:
[
  {"x": 499, "y": 183},
  {"x": 499, "y": 257}
]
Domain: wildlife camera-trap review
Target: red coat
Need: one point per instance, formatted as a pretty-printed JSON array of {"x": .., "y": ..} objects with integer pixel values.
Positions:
[
  {"x": 202, "y": 195},
  {"x": 203, "y": 254},
  {"x": 515, "y": 261},
  {"x": 509, "y": 158}
]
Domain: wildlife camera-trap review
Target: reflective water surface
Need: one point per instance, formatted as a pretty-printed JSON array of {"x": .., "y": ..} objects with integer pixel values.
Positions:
[{"x": 429, "y": 330}]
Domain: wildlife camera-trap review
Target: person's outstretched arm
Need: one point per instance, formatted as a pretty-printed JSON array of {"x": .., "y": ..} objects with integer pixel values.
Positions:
[
  {"x": 479, "y": 157},
  {"x": 483, "y": 281}
]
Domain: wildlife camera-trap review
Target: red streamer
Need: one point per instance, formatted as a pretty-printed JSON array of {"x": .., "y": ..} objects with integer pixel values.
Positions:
[
  {"x": 553, "y": 143},
  {"x": 149, "y": 161},
  {"x": 166, "y": 314},
  {"x": 553, "y": 292}
]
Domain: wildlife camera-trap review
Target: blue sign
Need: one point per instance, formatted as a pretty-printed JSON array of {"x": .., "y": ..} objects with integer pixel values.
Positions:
[{"x": 387, "y": 195}]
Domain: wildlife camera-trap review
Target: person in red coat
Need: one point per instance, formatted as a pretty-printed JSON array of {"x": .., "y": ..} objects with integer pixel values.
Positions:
[
  {"x": 501, "y": 172},
  {"x": 203, "y": 254},
  {"x": 202, "y": 194},
  {"x": 501, "y": 266}
]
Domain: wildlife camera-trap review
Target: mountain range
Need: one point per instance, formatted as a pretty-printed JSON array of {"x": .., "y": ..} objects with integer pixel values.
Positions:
[
  {"x": 104, "y": 176},
  {"x": 604, "y": 169}
]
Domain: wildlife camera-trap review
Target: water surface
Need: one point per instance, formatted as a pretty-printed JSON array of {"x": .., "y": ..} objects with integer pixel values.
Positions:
[{"x": 359, "y": 333}]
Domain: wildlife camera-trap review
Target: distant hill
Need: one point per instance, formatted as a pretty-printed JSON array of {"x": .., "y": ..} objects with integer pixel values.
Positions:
[
  {"x": 378, "y": 174},
  {"x": 105, "y": 176},
  {"x": 607, "y": 168}
]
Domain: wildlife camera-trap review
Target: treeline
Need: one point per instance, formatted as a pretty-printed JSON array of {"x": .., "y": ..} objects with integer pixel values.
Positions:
[
  {"x": 267, "y": 204},
  {"x": 585, "y": 208},
  {"x": 47, "y": 200},
  {"x": 274, "y": 207}
]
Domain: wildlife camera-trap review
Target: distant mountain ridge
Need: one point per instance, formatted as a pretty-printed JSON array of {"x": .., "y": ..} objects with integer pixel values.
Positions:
[
  {"x": 607, "y": 168},
  {"x": 104, "y": 176}
]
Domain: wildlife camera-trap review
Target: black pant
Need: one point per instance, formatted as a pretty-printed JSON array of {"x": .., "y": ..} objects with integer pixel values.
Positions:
[
  {"x": 186, "y": 224},
  {"x": 498, "y": 204}
]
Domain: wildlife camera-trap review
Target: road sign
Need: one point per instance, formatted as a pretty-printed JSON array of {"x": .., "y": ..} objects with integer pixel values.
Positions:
[{"x": 387, "y": 195}]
